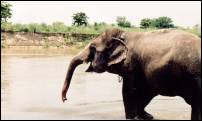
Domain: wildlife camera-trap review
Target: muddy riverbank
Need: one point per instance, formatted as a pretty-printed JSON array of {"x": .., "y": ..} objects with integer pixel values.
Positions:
[{"x": 39, "y": 50}]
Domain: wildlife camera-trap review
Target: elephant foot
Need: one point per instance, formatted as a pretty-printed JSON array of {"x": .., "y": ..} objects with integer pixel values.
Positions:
[{"x": 144, "y": 116}]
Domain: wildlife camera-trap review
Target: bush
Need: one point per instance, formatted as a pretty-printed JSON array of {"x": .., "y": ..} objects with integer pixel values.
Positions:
[
  {"x": 122, "y": 22},
  {"x": 163, "y": 22},
  {"x": 146, "y": 23},
  {"x": 6, "y": 26},
  {"x": 20, "y": 27},
  {"x": 96, "y": 28}
]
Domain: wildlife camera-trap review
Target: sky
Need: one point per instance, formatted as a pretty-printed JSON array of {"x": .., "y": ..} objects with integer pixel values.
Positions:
[{"x": 183, "y": 13}]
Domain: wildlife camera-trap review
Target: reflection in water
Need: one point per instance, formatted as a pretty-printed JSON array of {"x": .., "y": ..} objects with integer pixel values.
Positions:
[{"x": 31, "y": 86}]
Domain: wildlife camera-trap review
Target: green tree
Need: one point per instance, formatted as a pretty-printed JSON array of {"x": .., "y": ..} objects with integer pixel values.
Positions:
[
  {"x": 80, "y": 19},
  {"x": 5, "y": 11},
  {"x": 163, "y": 22},
  {"x": 122, "y": 22},
  {"x": 146, "y": 23}
]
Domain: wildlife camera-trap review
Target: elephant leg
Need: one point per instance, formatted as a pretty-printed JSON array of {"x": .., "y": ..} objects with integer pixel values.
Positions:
[
  {"x": 135, "y": 103},
  {"x": 144, "y": 100},
  {"x": 196, "y": 111},
  {"x": 130, "y": 102},
  {"x": 196, "y": 102}
]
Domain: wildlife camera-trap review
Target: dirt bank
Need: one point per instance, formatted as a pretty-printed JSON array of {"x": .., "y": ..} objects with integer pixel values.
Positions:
[
  {"x": 43, "y": 43},
  {"x": 39, "y": 50}
]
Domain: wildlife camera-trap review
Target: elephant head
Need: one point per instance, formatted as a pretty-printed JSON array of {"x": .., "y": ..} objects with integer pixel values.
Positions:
[{"x": 107, "y": 49}]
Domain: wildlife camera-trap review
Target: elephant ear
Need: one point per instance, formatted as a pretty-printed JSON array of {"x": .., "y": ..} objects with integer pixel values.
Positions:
[{"x": 119, "y": 52}]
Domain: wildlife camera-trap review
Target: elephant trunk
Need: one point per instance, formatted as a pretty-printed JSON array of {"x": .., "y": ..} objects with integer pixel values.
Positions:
[{"x": 77, "y": 60}]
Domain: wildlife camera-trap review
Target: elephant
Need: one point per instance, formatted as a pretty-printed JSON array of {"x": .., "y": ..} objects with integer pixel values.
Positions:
[{"x": 163, "y": 62}]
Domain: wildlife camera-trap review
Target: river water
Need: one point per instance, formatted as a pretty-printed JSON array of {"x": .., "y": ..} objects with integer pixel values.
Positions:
[{"x": 31, "y": 87}]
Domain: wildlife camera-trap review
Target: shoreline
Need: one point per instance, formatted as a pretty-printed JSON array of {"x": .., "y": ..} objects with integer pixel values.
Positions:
[{"x": 39, "y": 50}]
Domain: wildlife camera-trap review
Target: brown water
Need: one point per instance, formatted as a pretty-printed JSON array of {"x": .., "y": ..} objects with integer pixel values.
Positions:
[{"x": 31, "y": 86}]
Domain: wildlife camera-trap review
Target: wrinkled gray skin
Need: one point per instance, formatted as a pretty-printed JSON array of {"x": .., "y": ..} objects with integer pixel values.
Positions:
[{"x": 165, "y": 62}]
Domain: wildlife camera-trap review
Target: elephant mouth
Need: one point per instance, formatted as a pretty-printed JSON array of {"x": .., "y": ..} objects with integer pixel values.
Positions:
[{"x": 99, "y": 69}]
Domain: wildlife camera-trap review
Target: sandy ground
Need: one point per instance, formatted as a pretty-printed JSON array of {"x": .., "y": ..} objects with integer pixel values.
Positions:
[{"x": 31, "y": 88}]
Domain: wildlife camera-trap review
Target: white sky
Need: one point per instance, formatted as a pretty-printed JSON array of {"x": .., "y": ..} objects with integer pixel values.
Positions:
[{"x": 186, "y": 13}]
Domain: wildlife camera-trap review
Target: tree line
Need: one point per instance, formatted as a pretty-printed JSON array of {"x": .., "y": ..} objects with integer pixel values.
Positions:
[
  {"x": 81, "y": 19},
  {"x": 80, "y": 23}
]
